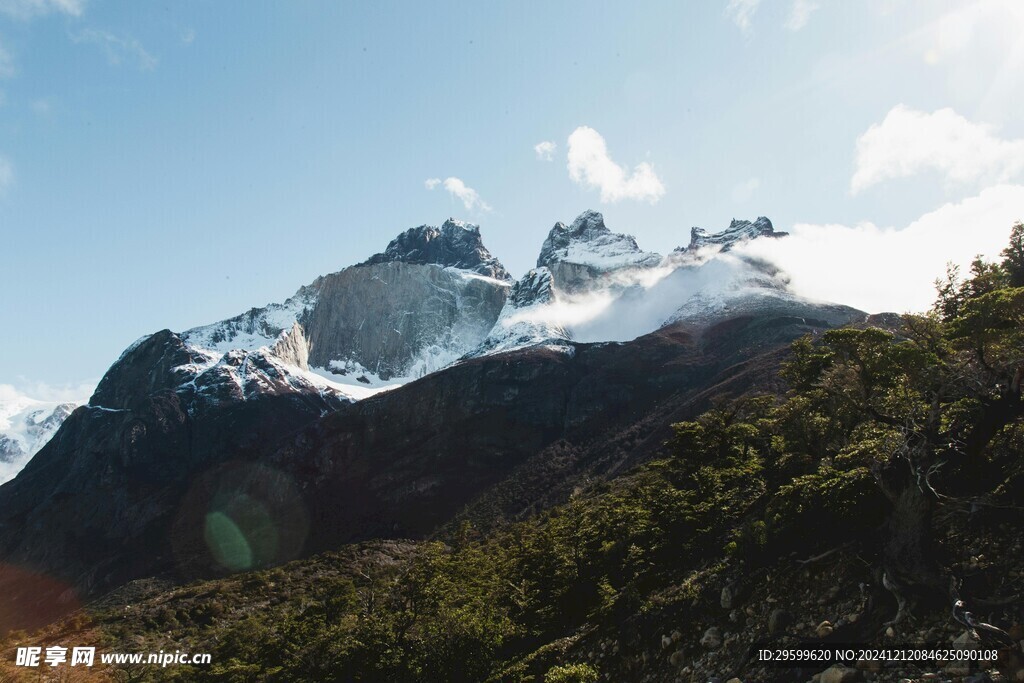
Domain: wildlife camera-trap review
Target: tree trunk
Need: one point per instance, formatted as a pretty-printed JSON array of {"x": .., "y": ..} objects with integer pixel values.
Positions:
[
  {"x": 910, "y": 568},
  {"x": 909, "y": 553}
]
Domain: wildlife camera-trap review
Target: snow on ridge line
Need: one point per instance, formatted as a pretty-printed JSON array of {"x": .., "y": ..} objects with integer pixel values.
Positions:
[{"x": 255, "y": 328}]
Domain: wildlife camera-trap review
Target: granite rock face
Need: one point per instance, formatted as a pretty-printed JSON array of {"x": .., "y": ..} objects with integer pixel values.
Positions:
[{"x": 400, "y": 319}]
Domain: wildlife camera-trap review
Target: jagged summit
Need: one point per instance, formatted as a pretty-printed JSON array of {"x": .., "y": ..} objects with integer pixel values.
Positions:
[
  {"x": 589, "y": 242},
  {"x": 738, "y": 231},
  {"x": 455, "y": 243}
]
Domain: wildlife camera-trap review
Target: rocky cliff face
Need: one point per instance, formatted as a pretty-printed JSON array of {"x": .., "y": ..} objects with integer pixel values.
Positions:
[{"x": 399, "y": 319}]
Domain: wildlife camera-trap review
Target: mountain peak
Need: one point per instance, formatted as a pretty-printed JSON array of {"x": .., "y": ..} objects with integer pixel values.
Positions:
[
  {"x": 456, "y": 243},
  {"x": 589, "y": 220},
  {"x": 453, "y": 224},
  {"x": 738, "y": 231},
  {"x": 589, "y": 242}
]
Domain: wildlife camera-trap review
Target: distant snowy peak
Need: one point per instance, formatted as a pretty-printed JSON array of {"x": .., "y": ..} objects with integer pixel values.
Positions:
[
  {"x": 588, "y": 242},
  {"x": 455, "y": 244},
  {"x": 25, "y": 427},
  {"x": 738, "y": 231}
]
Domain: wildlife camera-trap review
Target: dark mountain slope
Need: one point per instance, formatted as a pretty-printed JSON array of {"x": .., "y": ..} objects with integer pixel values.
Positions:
[
  {"x": 486, "y": 432},
  {"x": 94, "y": 508}
]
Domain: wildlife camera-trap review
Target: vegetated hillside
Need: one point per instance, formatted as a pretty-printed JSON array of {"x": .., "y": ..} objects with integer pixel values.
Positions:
[{"x": 859, "y": 503}]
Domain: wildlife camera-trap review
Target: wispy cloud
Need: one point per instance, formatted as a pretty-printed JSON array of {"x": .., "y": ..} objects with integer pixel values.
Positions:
[
  {"x": 7, "y": 67},
  {"x": 742, "y": 13},
  {"x": 6, "y": 175},
  {"x": 908, "y": 142},
  {"x": 591, "y": 166},
  {"x": 458, "y": 189},
  {"x": 29, "y": 9},
  {"x": 744, "y": 191},
  {"x": 828, "y": 262},
  {"x": 800, "y": 14},
  {"x": 117, "y": 48},
  {"x": 545, "y": 151}
]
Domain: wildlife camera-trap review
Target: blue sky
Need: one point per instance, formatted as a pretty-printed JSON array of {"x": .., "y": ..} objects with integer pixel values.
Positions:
[{"x": 171, "y": 164}]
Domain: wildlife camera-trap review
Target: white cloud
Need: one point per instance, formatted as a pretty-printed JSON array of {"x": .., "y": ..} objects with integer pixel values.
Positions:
[
  {"x": 458, "y": 189},
  {"x": 7, "y": 68},
  {"x": 885, "y": 269},
  {"x": 800, "y": 13},
  {"x": 908, "y": 142},
  {"x": 742, "y": 12},
  {"x": 118, "y": 49},
  {"x": 27, "y": 9},
  {"x": 745, "y": 191},
  {"x": 591, "y": 166},
  {"x": 545, "y": 150},
  {"x": 25, "y": 389},
  {"x": 6, "y": 175}
]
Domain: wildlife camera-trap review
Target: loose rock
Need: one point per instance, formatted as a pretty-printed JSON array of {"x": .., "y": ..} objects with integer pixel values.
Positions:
[
  {"x": 712, "y": 638},
  {"x": 778, "y": 622},
  {"x": 839, "y": 674}
]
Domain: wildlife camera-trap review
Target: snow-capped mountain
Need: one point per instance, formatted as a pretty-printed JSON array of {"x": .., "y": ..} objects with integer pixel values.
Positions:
[
  {"x": 429, "y": 298},
  {"x": 594, "y": 285},
  {"x": 436, "y": 295},
  {"x": 25, "y": 426},
  {"x": 264, "y": 410}
]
